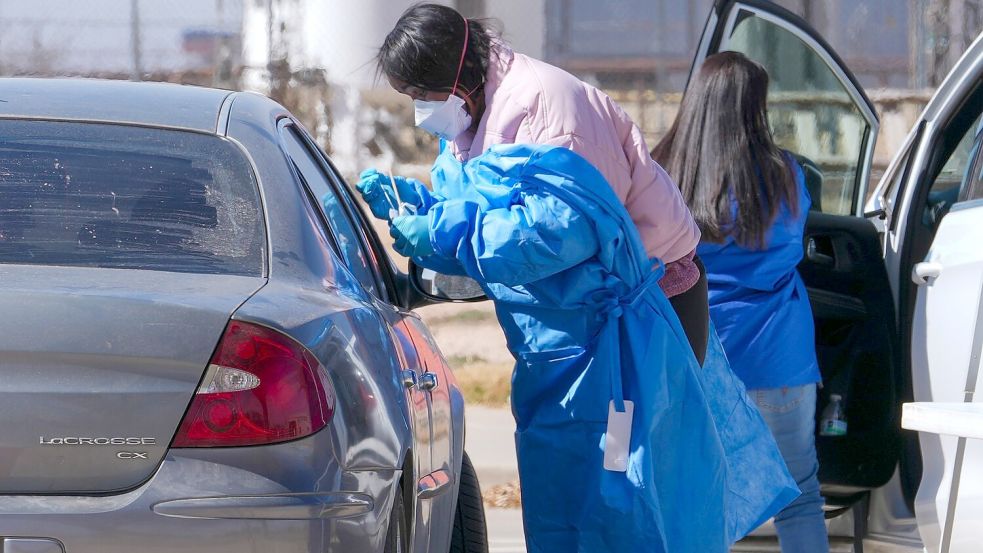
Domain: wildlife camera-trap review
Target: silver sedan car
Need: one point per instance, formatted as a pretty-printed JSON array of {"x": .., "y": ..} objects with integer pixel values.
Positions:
[{"x": 203, "y": 345}]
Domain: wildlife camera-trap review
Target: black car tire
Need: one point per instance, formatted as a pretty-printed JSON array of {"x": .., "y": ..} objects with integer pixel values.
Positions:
[
  {"x": 470, "y": 534},
  {"x": 396, "y": 535}
]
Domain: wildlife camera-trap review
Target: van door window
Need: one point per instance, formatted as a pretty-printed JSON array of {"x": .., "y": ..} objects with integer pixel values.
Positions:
[
  {"x": 955, "y": 177},
  {"x": 972, "y": 188},
  {"x": 813, "y": 112}
]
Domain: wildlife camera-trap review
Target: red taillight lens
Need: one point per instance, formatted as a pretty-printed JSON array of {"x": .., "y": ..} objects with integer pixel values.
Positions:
[{"x": 261, "y": 388}]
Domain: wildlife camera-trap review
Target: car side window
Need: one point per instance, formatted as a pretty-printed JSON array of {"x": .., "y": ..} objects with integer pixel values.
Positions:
[
  {"x": 367, "y": 228},
  {"x": 330, "y": 206}
]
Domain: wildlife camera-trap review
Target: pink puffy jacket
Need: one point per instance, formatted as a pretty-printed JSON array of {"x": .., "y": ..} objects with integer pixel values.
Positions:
[{"x": 532, "y": 102}]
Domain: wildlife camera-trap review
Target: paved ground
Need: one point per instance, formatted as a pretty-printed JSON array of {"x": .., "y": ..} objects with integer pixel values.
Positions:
[
  {"x": 491, "y": 446},
  {"x": 490, "y": 443},
  {"x": 505, "y": 536},
  {"x": 505, "y": 531}
]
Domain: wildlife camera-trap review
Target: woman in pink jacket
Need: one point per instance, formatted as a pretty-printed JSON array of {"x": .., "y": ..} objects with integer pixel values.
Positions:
[{"x": 473, "y": 91}]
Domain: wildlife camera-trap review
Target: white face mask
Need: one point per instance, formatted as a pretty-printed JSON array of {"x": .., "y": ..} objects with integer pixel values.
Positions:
[{"x": 446, "y": 119}]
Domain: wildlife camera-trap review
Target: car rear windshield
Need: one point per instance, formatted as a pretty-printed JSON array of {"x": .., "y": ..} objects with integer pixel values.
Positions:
[{"x": 103, "y": 195}]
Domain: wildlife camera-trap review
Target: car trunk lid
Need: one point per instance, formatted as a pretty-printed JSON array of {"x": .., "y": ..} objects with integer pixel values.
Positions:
[{"x": 99, "y": 366}]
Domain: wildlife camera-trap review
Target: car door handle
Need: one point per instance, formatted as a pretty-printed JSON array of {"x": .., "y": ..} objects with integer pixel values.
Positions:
[
  {"x": 428, "y": 382},
  {"x": 922, "y": 273},
  {"x": 409, "y": 378}
]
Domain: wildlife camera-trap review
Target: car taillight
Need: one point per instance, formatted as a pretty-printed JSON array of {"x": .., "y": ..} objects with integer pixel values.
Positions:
[{"x": 261, "y": 387}]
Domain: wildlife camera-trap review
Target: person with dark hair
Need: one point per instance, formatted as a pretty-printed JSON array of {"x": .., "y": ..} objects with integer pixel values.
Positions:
[
  {"x": 750, "y": 201},
  {"x": 471, "y": 90},
  {"x": 632, "y": 432}
]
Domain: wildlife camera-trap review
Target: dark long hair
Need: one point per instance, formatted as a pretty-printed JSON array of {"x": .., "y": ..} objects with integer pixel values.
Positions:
[
  {"x": 720, "y": 150},
  {"x": 424, "y": 49}
]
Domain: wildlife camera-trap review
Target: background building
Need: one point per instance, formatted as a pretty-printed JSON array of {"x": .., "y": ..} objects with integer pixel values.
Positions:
[{"x": 888, "y": 43}]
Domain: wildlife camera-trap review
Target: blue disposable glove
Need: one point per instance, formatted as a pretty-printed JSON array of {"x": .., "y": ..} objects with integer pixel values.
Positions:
[
  {"x": 377, "y": 190},
  {"x": 412, "y": 234}
]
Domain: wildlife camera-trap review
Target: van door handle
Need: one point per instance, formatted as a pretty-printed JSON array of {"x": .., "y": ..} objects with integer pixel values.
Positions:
[
  {"x": 813, "y": 254},
  {"x": 923, "y": 273}
]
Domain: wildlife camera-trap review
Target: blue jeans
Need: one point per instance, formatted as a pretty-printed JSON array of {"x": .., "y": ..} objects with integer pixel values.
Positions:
[{"x": 790, "y": 414}]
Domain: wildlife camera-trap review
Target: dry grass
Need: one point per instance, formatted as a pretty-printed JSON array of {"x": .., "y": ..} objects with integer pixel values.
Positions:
[
  {"x": 462, "y": 317},
  {"x": 472, "y": 341},
  {"x": 481, "y": 382},
  {"x": 505, "y": 496}
]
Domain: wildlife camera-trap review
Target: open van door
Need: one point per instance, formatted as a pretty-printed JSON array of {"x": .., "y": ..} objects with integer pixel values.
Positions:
[
  {"x": 819, "y": 112},
  {"x": 947, "y": 323},
  {"x": 948, "y": 331}
]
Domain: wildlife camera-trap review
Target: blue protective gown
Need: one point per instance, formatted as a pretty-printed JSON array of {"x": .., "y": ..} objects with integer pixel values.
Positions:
[
  {"x": 542, "y": 232},
  {"x": 758, "y": 299}
]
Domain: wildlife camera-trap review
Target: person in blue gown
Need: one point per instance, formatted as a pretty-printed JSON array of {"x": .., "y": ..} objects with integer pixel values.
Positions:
[{"x": 595, "y": 340}]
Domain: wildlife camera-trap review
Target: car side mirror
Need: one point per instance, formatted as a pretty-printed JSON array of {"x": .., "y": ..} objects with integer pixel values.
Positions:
[{"x": 440, "y": 288}]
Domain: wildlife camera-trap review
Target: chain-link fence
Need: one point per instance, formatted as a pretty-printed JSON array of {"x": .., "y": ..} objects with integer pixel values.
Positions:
[
  {"x": 169, "y": 40},
  {"x": 639, "y": 51}
]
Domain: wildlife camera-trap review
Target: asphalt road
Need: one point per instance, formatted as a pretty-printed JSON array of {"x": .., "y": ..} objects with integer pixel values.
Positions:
[{"x": 491, "y": 447}]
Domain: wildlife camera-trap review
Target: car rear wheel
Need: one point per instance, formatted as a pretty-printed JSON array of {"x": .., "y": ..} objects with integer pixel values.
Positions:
[
  {"x": 396, "y": 534},
  {"x": 470, "y": 534}
]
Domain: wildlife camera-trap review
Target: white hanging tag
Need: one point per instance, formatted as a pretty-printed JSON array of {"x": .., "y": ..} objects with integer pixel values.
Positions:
[{"x": 617, "y": 440}]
